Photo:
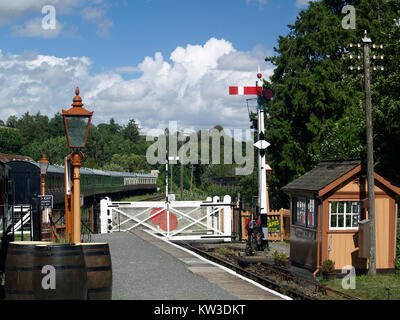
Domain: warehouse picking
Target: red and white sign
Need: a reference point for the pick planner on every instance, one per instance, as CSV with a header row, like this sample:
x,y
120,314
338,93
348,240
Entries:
x,y
241,91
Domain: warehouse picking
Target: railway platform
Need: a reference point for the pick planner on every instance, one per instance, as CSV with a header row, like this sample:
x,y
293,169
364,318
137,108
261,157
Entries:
x,y
149,268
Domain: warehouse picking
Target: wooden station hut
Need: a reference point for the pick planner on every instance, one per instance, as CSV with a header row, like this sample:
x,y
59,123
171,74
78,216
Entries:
x,y
329,207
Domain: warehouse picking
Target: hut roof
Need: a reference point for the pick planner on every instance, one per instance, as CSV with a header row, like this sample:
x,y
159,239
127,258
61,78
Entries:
x,y
322,175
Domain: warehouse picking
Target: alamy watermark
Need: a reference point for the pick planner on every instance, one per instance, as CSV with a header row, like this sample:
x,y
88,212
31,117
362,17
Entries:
x,y
189,150
349,280
349,20
49,21
49,280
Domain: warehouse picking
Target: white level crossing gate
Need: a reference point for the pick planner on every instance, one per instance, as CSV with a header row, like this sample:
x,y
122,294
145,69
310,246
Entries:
x,y
174,220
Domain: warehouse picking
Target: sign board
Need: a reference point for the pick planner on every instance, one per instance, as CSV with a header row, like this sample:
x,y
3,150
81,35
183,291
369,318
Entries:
x,y
274,226
46,202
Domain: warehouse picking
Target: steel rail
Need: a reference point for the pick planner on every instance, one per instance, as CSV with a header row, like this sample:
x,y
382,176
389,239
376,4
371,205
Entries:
x,y
266,282
315,283
293,292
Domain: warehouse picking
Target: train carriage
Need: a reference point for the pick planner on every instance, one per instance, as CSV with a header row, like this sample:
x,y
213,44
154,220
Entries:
x,y
26,176
6,198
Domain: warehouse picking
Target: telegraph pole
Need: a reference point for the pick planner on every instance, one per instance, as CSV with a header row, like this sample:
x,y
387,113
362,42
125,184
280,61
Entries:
x,y
370,145
370,156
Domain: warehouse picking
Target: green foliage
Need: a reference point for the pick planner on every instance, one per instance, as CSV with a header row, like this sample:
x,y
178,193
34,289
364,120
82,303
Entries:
x,y
318,107
283,257
328,266
55,148
10,140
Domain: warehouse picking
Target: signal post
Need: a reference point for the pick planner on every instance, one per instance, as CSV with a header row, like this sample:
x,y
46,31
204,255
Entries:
x,y
262,97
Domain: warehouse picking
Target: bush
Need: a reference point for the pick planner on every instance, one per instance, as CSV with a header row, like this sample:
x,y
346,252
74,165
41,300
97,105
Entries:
x,y
328,266
283,257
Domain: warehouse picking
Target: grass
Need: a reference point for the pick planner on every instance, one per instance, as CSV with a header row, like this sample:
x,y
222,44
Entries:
x,y
140,197
370,288
222,251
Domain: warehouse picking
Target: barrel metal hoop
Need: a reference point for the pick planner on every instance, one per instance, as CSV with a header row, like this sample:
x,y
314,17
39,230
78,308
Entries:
x,y
9,291
93,290
96,253
91,269
82,266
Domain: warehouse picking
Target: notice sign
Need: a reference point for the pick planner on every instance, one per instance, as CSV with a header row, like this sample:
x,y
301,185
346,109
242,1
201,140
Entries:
x,y
274,226
46,202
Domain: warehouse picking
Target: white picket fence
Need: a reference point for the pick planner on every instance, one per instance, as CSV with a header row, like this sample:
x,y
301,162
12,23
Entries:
x,y
175,220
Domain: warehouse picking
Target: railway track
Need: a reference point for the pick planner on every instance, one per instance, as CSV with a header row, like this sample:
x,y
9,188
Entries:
x,y
283,282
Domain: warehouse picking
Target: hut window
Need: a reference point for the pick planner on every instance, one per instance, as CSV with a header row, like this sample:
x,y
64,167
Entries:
x,y
311,213
305,212
301,211
344,214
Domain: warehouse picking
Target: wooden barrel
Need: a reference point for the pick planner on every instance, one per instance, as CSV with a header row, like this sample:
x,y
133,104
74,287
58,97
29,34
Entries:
x,y
59,272
99,270
19,268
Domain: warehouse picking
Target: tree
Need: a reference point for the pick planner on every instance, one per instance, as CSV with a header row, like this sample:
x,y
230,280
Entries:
x,y
55,149
318,102
131,131
10,140
12,121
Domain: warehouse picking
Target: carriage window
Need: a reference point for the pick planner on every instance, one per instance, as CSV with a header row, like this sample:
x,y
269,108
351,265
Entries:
x,y
344,215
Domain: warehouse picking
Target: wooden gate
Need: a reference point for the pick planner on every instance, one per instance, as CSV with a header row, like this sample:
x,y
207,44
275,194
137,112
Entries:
x,y
278,225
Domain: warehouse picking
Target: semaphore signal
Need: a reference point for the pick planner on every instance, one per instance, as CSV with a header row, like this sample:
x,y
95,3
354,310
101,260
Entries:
x,y
263,96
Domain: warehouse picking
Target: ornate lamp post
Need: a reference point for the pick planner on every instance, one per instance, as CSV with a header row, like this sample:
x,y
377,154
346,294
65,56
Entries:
x,y
43,165
77,123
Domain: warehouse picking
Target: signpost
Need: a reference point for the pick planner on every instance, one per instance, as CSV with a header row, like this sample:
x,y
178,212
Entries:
x,y
46,202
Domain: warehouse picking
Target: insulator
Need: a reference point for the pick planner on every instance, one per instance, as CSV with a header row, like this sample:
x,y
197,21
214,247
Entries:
x,y
382,68
359,57
351,56
358,45
351,68
374,57
351,45
358,68
373,46
374,68
381,46
381,57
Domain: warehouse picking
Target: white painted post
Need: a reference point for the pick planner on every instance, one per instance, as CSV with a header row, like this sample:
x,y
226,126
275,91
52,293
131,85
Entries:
x,y
208,210
216,223
227,218
103,215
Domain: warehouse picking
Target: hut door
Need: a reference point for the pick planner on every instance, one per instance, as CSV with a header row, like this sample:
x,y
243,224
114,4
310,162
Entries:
x,y
382,225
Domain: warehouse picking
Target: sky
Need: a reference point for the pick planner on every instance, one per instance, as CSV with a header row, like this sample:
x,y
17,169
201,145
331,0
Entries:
x,y
154,61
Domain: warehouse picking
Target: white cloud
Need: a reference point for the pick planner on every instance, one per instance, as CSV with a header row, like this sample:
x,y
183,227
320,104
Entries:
x,y
260,2
33,28
12,12
97,14
303,3
191,87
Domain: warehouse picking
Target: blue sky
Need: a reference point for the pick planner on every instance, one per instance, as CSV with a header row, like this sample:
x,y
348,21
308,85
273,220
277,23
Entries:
x,y
120,52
